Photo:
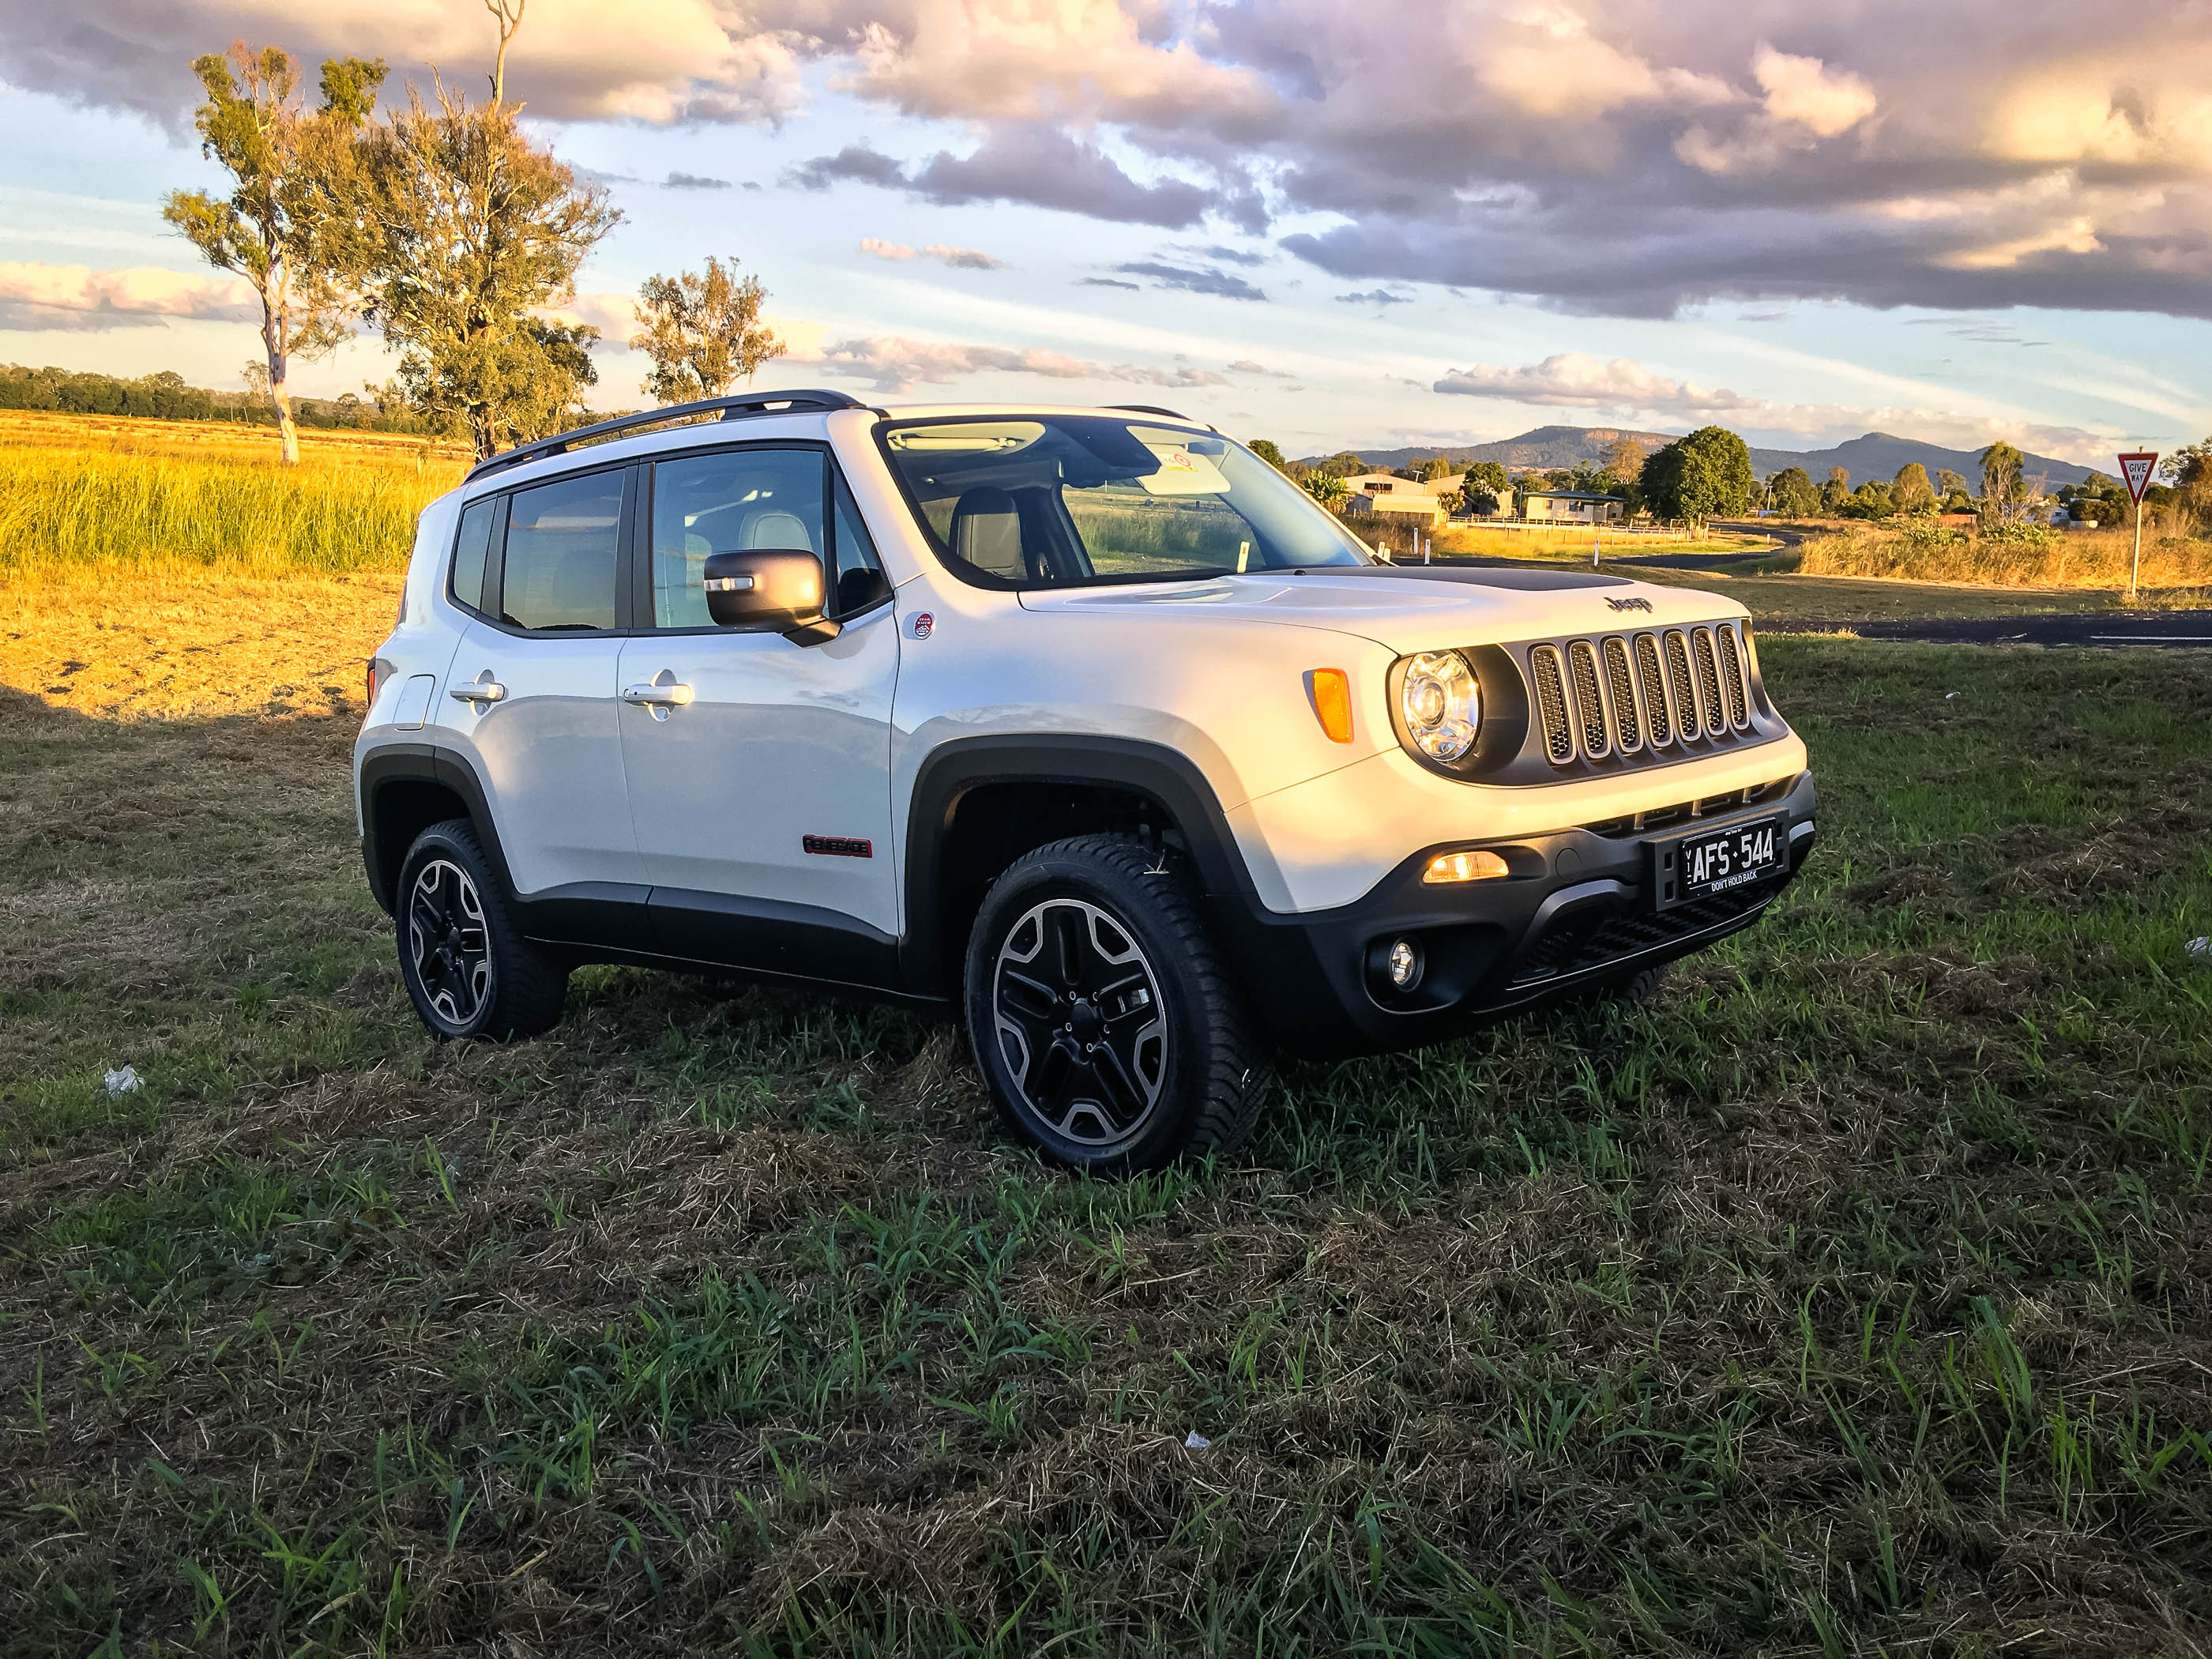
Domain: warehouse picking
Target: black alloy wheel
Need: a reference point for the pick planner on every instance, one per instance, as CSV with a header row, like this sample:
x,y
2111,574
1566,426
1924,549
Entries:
x,y
445,937
1078,1022
468,969
1102,1013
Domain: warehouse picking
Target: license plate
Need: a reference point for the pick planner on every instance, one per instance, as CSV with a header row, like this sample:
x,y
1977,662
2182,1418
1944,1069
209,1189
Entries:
x,y
1717,860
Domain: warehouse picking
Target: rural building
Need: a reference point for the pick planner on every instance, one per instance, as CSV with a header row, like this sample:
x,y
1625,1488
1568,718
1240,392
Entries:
x,y
1387,494
1571,506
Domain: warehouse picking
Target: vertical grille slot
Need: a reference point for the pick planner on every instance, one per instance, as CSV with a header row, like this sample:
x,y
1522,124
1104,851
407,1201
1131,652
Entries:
x,y
1551,703
1736,683
1689,718
1709,682
1651,678
1589,701
1620,686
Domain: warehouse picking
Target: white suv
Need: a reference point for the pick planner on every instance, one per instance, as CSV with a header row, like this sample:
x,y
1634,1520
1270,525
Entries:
x,y
1085,722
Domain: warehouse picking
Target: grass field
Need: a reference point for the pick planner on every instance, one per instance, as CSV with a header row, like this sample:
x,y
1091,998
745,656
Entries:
x,y
2067,559
1575,545
1852,1298
159,498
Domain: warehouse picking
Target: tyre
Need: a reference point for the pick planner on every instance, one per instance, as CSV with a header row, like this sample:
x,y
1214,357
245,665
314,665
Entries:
x,y
468,970
1630,990
1103,1018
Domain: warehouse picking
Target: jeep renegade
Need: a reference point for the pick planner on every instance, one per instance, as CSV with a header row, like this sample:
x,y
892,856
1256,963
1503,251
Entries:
x,y
1087,723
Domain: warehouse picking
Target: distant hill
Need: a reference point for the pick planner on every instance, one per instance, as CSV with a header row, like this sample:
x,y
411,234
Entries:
x,y
1876,455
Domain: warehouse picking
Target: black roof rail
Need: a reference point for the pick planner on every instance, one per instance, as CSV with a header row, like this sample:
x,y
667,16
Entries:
x,y
728,408
1150,409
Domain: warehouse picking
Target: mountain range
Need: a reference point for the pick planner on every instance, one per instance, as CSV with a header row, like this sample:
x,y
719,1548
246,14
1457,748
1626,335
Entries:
x,y
1876,455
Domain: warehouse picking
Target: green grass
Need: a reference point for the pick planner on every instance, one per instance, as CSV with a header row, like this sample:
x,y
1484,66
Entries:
x,y
1851,1297
150,506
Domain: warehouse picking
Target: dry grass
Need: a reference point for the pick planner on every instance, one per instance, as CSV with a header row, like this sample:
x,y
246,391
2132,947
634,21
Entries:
x,y
190,645
2071,558
1852,1298
150,500
1572,543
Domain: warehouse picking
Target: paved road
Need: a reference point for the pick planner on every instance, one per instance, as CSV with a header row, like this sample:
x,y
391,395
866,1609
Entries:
x,y
2109,629
1782,534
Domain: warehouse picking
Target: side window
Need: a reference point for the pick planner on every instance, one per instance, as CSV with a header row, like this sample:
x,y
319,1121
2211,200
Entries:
x,y
860,580
737,501
562,540
471,548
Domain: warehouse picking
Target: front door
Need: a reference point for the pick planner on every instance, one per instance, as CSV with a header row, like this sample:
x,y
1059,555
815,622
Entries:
x,y
759,771
534,692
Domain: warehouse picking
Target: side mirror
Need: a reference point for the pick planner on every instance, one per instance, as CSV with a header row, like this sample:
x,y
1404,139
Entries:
x,y
774,591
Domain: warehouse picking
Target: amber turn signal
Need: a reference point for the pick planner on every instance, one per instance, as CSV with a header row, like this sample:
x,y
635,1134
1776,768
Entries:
x,y
1330,689
1464,867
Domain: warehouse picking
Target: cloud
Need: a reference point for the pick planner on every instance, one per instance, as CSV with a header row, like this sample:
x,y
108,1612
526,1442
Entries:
x,y
1044,167
1622,387
960,258
1220,283
1380,296
895,363
856,162
1245,366
1824,101
1598,156
645,60
692,181
1038,165
34,295
1110,281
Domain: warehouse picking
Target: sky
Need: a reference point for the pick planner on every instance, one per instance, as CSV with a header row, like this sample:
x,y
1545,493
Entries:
x,y
1405,222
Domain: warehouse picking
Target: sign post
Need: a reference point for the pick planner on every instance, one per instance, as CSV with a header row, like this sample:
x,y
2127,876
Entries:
x,y
2135,471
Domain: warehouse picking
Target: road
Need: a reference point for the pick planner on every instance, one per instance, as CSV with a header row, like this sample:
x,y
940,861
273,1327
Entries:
x,y
2102,629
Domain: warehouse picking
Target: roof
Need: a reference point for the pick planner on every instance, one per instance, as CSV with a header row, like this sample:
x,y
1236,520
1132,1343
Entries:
x,y
1569,495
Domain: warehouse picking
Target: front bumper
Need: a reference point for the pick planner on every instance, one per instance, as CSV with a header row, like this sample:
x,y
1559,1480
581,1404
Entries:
x,y
1575,913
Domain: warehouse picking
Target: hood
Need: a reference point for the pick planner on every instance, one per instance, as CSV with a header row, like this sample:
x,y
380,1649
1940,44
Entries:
x,y
1410,608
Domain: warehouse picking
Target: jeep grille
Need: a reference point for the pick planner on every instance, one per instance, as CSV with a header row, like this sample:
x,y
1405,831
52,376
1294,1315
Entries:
x,y
1628,695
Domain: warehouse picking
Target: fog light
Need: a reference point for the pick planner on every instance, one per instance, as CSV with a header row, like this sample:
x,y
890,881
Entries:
x,y
1403,964
1465,866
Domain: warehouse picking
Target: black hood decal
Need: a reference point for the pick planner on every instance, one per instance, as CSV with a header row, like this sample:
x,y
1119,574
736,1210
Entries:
x,y
1519,579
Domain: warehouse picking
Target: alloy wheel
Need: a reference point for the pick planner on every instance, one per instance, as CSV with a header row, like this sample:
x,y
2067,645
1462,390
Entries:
x,y
1080,1021
448,943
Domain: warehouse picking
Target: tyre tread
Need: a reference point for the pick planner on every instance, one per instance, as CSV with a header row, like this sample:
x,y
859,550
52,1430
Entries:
x,y
1239,1078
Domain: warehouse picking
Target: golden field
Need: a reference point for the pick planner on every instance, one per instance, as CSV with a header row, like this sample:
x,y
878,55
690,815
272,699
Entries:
x,y
2071,558
159,497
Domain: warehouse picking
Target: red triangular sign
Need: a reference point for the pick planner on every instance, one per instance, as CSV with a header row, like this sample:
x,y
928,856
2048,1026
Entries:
x,y
2136,470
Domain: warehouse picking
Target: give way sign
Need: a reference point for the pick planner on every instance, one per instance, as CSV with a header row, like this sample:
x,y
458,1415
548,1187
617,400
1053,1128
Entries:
x,y
2135,468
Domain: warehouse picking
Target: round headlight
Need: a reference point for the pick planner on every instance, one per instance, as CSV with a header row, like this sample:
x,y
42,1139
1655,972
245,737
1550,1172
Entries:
x,y
1440,704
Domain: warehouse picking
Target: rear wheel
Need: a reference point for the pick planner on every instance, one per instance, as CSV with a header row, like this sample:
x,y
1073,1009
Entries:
x,y
1102,1014
467,968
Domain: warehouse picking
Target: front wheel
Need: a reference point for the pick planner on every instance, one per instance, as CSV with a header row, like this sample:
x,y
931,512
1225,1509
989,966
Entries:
x,y
1102,1014
468,969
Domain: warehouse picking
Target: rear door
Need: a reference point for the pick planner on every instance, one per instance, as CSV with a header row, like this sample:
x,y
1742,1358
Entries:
x,y
536,675
761,800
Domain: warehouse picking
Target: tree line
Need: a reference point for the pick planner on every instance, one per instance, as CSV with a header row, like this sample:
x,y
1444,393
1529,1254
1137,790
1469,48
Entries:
x,y
165,396
437,224
1708,475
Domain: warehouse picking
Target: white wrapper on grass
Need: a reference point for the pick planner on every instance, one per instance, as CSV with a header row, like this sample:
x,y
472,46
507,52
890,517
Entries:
x,y
125,1082
1195,1441
2200,948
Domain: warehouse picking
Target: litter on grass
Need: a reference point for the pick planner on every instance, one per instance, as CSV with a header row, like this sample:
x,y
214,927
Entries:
x,y
2200,948
125,1082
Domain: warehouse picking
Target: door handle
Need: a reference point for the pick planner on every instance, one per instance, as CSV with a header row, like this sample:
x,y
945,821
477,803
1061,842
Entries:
x,y
663,694
483,688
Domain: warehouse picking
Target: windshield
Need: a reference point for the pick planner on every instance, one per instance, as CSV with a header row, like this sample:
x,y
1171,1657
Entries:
x,y
1056,500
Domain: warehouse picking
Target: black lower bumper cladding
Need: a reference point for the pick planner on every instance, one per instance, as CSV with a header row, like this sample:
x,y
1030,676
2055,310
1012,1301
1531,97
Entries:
x,y
1577,911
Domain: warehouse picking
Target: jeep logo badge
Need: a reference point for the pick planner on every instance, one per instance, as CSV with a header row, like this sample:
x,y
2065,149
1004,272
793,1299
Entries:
x,y
1629,604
